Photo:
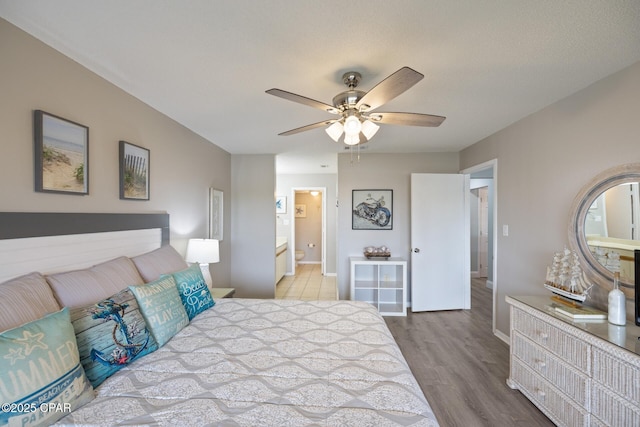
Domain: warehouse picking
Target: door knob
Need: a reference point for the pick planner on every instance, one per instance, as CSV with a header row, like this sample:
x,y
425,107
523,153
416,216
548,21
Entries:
x,y
416,250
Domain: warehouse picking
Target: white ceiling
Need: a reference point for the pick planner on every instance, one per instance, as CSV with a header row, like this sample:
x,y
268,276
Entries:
x,y
207,63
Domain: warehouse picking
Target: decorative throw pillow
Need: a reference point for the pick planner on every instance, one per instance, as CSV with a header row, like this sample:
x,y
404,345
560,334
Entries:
x,y
161,307
40,369
164,260
111,334
193,290
25,299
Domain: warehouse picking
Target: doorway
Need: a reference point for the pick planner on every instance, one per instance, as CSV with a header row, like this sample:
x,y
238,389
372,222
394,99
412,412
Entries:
x,y
479,232
485,175
308,231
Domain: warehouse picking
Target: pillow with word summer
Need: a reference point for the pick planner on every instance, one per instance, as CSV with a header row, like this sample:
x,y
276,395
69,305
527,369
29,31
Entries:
x,y
161,308
111,334
41,378
193,290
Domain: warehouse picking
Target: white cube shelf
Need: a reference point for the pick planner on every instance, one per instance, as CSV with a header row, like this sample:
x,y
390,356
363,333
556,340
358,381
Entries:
x,y
380,282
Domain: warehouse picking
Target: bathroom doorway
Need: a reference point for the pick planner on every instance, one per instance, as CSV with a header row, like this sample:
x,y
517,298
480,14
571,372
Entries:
x,y
308,231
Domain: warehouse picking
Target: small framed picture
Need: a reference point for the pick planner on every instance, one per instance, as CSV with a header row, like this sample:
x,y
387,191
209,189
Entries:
x,y
61,149
281,204
372,210
134,172
301,211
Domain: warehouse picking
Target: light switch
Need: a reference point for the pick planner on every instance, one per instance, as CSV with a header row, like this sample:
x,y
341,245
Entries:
x,y
505,230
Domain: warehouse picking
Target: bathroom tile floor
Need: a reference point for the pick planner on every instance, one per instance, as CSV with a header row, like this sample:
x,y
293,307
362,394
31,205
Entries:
x,y
307,284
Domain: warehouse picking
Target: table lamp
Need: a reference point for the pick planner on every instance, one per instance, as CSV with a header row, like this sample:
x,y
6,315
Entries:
x,y
204,252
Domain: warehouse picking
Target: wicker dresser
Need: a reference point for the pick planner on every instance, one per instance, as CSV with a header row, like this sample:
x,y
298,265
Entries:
x,y
578,373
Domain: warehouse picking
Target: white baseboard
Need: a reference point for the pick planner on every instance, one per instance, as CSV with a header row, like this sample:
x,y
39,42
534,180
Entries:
x,y
475,274
502,336
489,284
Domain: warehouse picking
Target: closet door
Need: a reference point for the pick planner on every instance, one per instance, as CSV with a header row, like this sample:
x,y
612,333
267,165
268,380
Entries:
x,y
440,242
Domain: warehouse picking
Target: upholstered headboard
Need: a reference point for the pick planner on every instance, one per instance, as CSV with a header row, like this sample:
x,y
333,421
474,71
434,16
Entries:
x,y
54,242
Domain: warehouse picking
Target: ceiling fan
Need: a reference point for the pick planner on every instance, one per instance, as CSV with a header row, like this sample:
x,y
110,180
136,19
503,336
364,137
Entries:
x,y
355,108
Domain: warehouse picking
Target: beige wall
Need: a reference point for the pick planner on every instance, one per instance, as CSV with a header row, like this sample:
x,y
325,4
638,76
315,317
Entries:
x,y
381,171
309,228
182,165
543,161
253,225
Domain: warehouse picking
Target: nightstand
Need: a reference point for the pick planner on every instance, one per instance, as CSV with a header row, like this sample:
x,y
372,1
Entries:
x,y
217,293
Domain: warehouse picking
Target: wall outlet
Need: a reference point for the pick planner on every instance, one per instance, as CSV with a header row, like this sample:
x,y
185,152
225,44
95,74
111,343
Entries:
x,y
505,230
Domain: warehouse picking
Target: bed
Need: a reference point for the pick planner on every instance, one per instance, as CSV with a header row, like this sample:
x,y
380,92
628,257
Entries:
x,y
261,362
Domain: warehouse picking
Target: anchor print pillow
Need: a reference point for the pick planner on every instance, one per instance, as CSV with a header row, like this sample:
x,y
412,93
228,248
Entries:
x,y
41,378
111,334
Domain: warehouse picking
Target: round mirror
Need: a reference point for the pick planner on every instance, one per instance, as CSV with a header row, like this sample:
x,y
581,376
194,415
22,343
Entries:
x,y
604,225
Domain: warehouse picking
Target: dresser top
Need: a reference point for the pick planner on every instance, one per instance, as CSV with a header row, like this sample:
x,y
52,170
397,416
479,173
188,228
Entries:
x,y
623,336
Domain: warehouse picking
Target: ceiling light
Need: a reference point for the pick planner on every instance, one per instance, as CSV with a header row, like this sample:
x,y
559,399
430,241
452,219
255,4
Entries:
x,y
369,129
352,126
351,139
314,193
335,131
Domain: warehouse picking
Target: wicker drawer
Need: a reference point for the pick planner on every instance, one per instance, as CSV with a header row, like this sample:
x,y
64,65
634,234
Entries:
x,y
570,381
556,405
616,374
612,409
568,348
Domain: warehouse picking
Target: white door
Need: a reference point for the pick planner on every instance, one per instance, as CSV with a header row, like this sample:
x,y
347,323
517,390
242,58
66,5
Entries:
x,y
440,263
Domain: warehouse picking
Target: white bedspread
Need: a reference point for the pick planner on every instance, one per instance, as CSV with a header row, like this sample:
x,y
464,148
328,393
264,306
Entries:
x,y
268,363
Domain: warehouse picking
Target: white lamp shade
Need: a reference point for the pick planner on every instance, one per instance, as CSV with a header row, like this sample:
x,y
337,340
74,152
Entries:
x,y
369,129
351,139
334,131
203,251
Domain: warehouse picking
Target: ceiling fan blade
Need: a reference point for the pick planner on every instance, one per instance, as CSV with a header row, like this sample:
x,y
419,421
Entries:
x,y
303,100
408,119
390,87
307,127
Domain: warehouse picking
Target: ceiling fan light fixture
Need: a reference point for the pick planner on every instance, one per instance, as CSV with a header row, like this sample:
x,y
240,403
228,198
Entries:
x,y
352,126
369,129
335,131
351,139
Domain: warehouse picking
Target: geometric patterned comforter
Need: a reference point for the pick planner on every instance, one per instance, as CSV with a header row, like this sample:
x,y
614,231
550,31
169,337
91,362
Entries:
x,y
255,362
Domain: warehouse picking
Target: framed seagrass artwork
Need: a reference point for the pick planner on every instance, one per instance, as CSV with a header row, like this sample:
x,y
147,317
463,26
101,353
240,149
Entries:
x,y
134,172
372,210
216,210
61,155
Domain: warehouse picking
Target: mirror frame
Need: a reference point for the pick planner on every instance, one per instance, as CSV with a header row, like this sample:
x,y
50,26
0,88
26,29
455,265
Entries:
x,y
607,179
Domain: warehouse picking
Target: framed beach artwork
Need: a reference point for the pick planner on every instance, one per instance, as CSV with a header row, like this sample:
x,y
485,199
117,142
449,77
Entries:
x,y
372,210
61,149
134,172
281,204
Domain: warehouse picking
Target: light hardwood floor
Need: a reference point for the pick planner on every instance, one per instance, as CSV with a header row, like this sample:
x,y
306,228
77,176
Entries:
x,y
462,367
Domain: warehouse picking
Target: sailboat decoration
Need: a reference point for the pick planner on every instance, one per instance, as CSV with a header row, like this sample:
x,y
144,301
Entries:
x,y
566,278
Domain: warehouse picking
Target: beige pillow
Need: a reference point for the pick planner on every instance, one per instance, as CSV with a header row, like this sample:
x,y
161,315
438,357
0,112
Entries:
x,y
83,287
25,299
164,260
